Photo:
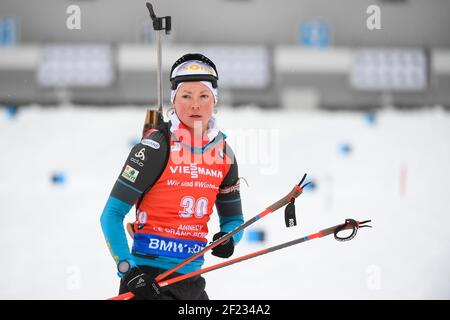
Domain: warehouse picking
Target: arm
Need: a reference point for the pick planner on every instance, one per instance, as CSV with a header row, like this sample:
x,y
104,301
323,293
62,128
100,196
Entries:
x,y
140,171
228,201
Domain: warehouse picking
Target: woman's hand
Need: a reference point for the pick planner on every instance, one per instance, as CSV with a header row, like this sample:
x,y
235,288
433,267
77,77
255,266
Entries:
x,y
141,284
225,249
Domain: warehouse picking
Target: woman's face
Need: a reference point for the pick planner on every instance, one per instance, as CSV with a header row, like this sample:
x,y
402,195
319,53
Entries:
x,y
194,104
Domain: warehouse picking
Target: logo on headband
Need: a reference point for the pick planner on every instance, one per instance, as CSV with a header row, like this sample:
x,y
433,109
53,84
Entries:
x,y
196,67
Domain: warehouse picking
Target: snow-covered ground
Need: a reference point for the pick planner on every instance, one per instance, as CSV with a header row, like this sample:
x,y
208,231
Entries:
x,y
397,173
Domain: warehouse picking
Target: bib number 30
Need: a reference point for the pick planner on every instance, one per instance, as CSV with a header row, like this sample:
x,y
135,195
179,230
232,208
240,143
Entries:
x,y
191,207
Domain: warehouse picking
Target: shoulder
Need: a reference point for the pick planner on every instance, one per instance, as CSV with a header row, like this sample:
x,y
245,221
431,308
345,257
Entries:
x,y
154,135
228,151
152,147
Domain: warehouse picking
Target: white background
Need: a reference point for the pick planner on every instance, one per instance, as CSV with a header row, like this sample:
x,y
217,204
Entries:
x,y
52,246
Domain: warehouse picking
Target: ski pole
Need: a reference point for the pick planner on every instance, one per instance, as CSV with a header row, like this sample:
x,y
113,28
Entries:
x,y
295,192
349,224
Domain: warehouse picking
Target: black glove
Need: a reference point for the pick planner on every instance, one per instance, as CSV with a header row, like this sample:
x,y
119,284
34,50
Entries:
x,y
225,249
141,284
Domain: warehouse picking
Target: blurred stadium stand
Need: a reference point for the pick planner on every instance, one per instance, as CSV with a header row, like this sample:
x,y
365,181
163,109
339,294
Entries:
x,y
262,50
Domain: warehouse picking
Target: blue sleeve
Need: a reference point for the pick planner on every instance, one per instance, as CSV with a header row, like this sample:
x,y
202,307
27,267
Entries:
x,y
129,187
229,223
111,221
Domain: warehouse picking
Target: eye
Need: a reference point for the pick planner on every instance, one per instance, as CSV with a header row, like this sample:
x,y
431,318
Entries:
x,y
185,96
205,96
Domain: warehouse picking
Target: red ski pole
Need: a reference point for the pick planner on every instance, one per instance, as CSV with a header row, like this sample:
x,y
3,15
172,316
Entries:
x,y
349,224
295,192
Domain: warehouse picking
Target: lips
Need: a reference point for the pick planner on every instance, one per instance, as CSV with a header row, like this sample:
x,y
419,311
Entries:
x,y
195,116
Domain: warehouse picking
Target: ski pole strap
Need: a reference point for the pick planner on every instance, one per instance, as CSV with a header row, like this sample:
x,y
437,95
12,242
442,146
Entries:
x,y
295,192
350,224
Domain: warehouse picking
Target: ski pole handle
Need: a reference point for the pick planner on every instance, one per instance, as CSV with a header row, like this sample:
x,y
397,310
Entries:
x,y
295,192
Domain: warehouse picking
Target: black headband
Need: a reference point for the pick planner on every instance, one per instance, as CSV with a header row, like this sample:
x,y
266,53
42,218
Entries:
x,y
198,77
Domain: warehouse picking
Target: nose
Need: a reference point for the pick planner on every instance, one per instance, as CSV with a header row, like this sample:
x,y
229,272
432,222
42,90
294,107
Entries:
x,y
195,104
